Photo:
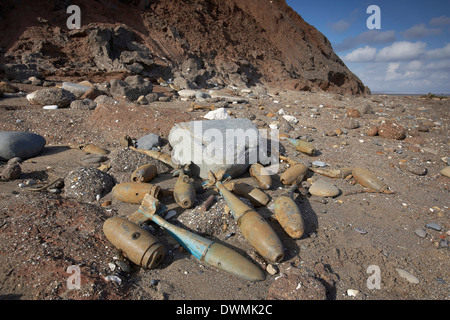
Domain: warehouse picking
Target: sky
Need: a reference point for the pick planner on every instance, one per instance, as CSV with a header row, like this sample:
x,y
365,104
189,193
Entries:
x,y
406,50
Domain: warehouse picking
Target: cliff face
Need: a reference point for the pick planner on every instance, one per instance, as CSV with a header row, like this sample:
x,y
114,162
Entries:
x,y
195,42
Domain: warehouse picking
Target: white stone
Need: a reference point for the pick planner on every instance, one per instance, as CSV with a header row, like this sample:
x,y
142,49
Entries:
x,y
408,276
218,114
50,107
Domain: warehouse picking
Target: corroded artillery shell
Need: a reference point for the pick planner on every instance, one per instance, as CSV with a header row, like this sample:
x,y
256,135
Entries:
x,y
261,176
368,179
303,146
134,242
256,196
92,148
144,173
333,173
184,192
132,192
254,228
289,216
295,173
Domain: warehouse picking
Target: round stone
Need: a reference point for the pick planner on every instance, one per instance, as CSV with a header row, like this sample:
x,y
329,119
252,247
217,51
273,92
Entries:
x,y
446,172
20,144
324,188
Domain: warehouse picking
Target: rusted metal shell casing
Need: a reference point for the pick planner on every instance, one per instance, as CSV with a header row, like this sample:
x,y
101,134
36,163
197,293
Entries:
x,y
292,174
134,242
184,192
213,253
289,216
261,176
144,173
257,197
368,179
132,192
303,146
333,173
254,228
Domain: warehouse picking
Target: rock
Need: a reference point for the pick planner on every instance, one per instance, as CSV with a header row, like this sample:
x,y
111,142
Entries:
x,y
415,169
372,131
446,171
35,81
218,114
92,94
94,158
271,269
391,130
187,93
290,119
21,71
152,97
420,232
227,145
51,107
202,95
408,276
434,226
76,89
20,144
323,188
148,142
86,183
318,163
11,171
86,104
293,285
132,88
51,96
353,113
351,124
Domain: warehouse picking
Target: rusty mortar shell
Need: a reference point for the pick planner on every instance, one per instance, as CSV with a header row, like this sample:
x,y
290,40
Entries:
x,y
256,196
133,192
254,228
205,206
368,179
294,173
92,148
208,251
303,146
163,157
195,106
134,242
144,173
289,216
333,173
261,176
184,191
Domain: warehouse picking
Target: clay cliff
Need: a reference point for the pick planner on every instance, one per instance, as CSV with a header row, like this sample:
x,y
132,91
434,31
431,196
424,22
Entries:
x,y
195,43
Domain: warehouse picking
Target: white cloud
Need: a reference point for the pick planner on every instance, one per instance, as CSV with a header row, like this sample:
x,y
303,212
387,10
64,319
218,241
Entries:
x,y
420,31
440,21
340,26
401,51
365,54
370,37
441,53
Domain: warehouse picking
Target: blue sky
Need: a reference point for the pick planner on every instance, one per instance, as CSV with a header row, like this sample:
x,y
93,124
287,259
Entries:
x,y
409,54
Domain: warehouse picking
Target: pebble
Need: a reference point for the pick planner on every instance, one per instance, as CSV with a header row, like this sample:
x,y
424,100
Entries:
x,y
446,171
323,188
408,276
434,226
50,107
272,270
318,163
420,232
359,230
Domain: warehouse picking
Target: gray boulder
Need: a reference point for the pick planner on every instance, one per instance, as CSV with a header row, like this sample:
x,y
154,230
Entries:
x,y
132,88
20,144
85,104
230,145
52,96
148,142
19,71
87,184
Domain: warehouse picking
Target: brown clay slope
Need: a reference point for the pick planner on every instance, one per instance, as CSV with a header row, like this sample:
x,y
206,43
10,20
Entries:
x,y
240,42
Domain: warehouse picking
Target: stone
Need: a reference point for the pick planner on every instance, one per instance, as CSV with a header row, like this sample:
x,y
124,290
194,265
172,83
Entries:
x,y
434,226
391,130
187,93
420,232
323,188
408,276
290,119
11,171
92,94
318,163
86,104
415,169
131,88
20,144
51,107
148,142
227,145
202,95
353,113
446,171
218,114
293,285
51,96
351,124
152,97
76,89
20,71
372,131
86,183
